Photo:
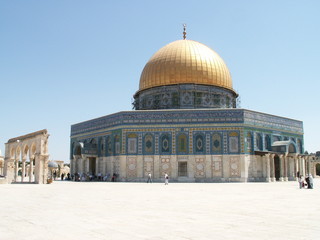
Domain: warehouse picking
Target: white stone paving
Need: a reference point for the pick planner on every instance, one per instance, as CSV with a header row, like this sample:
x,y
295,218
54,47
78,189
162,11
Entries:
x,y
73,210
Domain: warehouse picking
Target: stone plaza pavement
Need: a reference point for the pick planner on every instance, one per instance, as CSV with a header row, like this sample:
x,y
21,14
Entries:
x,y
100,210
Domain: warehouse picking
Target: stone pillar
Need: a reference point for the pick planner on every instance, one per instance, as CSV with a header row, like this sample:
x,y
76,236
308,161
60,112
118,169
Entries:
x,y
309,164
30,170
16,169
267,169
87,165
272,170
296,165
81,165
41,169
303,166
72,169
97,166
300,165
103,166
281,165
285,164
23,169
9,169
156,167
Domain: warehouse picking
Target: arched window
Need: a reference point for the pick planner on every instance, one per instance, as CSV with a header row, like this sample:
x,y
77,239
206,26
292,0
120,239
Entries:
x,y
233,142
249,142
199,144
148,144
117,144
77,150
300,146
72,150
165,143
216,143
258,141
132,143
182,144
101,149
109,145
267,141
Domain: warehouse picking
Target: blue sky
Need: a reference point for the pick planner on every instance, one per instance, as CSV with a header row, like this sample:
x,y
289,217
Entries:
x,y
64,62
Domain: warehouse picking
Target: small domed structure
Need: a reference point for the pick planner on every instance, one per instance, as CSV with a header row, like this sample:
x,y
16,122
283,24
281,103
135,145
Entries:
x,y
52,164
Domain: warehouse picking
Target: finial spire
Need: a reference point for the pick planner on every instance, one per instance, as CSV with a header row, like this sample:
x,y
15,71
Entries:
x,y
184,31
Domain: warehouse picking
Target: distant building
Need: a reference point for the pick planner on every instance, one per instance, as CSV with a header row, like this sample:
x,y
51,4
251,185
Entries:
x,y
186,123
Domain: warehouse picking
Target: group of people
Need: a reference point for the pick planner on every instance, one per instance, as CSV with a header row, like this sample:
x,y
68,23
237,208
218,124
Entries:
x,y
166,178
85,177
67,178
306,182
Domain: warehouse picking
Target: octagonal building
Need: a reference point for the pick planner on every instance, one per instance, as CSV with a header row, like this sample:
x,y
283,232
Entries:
x,y
186,123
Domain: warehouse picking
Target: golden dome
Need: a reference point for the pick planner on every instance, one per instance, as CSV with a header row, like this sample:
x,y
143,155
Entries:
x,y
185,62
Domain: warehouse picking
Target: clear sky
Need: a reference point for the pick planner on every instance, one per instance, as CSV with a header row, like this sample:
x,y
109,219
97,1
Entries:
x,y
63,62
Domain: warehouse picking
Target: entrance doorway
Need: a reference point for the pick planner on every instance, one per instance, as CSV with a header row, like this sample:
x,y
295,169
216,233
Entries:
x,y
92,165
277,168
182,169
318,169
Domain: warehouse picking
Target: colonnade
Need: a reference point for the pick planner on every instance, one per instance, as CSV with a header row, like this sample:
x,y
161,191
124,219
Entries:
x,y
81,164
33,145
275,167
25,173
287,166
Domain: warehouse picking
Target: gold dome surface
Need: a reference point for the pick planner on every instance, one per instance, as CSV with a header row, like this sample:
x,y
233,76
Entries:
x,y
185,62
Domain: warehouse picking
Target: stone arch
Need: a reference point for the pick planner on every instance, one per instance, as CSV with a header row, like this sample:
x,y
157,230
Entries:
x,y
77,150
76,162
12,153
32,146
18,152
25,151
292,148
33,149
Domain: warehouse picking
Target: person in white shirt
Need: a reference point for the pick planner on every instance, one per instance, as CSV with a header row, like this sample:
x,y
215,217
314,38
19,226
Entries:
x,y
311,181
166,179
301,180
149,178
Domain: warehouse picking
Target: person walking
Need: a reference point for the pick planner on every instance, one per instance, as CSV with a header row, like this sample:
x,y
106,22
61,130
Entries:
x,y
307,181
166,179
301,181
149,178
310,181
